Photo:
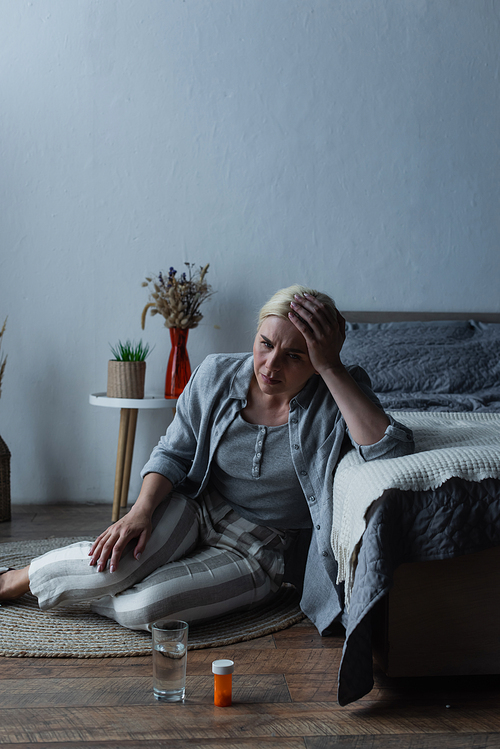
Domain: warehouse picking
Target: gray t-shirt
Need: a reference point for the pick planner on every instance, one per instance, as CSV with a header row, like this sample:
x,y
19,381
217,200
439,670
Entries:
x,y
253,471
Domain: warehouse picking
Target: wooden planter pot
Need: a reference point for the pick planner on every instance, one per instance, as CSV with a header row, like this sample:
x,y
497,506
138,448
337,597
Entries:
x,y
126,379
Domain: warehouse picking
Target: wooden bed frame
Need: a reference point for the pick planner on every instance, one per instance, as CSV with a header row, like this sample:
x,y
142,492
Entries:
x,y
440,617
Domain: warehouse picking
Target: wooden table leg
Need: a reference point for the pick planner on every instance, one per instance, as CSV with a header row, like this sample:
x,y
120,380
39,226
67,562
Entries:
x,y
129,452
120,462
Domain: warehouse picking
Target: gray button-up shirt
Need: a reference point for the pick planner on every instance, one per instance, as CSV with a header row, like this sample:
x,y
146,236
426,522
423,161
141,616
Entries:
x,y
215,394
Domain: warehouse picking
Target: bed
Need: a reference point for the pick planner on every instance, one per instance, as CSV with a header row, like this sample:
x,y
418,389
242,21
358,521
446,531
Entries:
x,y
417,539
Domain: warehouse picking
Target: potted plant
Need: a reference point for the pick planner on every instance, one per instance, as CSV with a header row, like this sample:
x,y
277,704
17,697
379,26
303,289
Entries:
x,y
4,451
127,371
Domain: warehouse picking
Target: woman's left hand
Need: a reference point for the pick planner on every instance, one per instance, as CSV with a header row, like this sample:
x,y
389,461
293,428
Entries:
x,y
323,332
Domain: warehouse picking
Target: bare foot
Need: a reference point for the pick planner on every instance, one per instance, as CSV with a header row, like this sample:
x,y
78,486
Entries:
x,y
14,584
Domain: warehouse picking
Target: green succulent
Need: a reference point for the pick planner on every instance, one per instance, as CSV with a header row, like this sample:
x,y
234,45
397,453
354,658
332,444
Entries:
x,y
131,351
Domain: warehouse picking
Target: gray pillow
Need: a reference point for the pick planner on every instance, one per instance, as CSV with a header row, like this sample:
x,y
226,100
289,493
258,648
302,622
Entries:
x,y
439,357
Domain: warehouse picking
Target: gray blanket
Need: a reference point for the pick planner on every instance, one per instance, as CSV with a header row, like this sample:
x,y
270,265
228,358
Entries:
x,y
442,366
459,517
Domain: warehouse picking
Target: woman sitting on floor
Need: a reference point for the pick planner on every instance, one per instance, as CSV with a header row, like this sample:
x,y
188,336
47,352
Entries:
x,y
238,493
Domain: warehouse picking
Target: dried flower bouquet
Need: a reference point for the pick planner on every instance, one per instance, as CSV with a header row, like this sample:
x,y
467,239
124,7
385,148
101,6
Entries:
x,y
178,299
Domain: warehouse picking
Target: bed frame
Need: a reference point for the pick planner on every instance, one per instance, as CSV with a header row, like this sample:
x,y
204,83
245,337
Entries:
x,y
440,617
423,316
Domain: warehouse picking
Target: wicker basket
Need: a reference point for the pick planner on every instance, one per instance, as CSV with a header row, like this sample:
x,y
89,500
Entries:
x,y
4,482
126,379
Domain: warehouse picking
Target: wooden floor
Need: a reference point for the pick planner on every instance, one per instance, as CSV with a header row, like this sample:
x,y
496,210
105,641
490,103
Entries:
x,y
284,690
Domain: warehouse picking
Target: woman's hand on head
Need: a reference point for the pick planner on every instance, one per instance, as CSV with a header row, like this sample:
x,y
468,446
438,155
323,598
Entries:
x,y
110,545
324,332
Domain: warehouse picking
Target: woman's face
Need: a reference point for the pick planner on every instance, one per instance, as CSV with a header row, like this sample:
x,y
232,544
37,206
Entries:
x,y
280,359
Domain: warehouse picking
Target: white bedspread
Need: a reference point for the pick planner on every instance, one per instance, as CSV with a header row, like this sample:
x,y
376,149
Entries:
x,y
464,445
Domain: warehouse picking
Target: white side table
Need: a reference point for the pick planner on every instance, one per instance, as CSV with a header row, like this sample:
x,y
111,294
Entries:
x,y
129,408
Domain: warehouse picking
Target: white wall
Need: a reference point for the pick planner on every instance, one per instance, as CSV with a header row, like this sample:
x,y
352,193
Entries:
x,y
348,144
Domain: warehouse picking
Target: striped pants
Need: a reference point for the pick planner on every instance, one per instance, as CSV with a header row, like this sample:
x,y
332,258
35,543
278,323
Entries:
x,y
203,560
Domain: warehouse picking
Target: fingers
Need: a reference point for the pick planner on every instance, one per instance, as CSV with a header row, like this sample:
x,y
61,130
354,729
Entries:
x,y
298,316
310,314
108,546
141,544
96,548
116,554
101,550
323,330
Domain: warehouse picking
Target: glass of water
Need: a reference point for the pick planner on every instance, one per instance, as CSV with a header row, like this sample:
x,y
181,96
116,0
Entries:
x,y
170,638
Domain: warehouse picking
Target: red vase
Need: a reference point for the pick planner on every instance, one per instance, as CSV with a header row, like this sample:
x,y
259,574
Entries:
x,y
178,367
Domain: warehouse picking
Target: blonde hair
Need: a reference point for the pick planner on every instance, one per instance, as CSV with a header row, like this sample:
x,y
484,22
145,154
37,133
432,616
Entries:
x,y
279,304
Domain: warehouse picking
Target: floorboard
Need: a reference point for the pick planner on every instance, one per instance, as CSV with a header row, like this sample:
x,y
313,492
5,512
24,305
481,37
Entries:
x,y
284,694
406,741
272,743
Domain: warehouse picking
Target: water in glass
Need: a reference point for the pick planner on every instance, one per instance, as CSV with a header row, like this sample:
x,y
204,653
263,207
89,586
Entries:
x,y
169,671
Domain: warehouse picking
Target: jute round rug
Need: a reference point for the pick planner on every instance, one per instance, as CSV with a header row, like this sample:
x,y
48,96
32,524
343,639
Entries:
x,y
76,632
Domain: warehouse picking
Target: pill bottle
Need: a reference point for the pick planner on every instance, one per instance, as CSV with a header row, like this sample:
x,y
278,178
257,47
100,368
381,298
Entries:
x,y
223,682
